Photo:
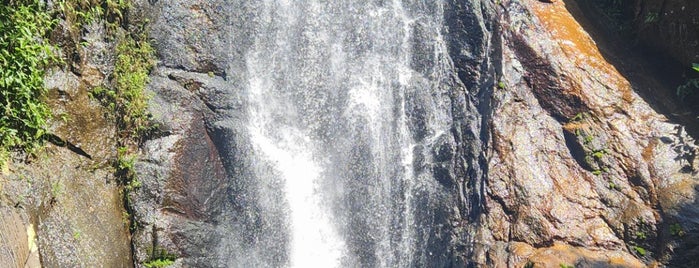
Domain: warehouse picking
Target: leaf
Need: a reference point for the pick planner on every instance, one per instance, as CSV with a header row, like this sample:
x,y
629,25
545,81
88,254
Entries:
x,y
695,66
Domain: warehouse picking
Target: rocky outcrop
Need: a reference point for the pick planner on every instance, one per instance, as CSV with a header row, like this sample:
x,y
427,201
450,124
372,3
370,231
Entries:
x,y
59,208
559,161
576,160
62,206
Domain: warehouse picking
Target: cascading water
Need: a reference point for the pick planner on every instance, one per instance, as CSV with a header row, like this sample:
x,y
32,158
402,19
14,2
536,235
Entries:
x,y
350,128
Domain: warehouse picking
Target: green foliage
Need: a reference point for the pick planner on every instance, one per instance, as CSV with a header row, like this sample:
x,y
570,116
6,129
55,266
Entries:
x,y
651,17
641,251
77,234
79,13
641,235
579,117
158,263
599,154
501,85
566,266
125,163
4,158
690,87
160,258
126,98
676,230
24,54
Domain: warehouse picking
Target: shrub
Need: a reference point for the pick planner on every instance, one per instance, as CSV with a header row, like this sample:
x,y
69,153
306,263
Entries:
x,y
24,54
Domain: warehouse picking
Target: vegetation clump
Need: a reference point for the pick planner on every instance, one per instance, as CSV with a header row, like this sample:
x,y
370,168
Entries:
x,y
160,258
641,251
676,230
79,13
24,55
690,87
126,98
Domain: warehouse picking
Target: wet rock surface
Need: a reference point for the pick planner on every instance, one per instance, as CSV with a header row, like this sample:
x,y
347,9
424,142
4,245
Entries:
x,y
577,157
61,209
184,183
554,158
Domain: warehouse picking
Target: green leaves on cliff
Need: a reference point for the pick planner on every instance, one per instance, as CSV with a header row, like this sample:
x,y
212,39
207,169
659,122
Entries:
x,y
126,97
690,87
79,13
24,54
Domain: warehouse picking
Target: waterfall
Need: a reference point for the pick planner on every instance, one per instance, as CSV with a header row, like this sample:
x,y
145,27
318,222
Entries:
x,y
349,114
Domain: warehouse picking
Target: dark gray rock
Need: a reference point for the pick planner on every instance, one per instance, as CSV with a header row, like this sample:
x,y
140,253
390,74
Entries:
x,y
551,157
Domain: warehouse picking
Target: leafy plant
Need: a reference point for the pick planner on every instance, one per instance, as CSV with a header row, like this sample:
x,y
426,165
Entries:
x,y
24,54
690,87
598,154
651,17
77,234
158,263
79,13
579,117
501,85
125,163
160,258
641,251
126,98
641,235
676,230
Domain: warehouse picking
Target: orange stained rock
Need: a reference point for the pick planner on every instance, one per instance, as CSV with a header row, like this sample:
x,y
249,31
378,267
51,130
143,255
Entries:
x,y
578,45
561,253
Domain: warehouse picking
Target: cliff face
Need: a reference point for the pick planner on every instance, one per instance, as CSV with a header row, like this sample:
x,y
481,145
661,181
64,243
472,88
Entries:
x,y
59,208
556,159
578,161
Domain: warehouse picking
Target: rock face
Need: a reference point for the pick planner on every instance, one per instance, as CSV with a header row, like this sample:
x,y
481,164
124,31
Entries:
x,y
557,160
63,209
577,157
59,208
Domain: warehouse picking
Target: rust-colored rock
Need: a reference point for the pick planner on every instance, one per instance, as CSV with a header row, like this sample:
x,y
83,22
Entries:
x,y
558,160
579,160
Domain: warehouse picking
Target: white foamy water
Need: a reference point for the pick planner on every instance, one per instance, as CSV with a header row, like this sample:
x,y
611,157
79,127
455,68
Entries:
x,y
314,241
334,105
